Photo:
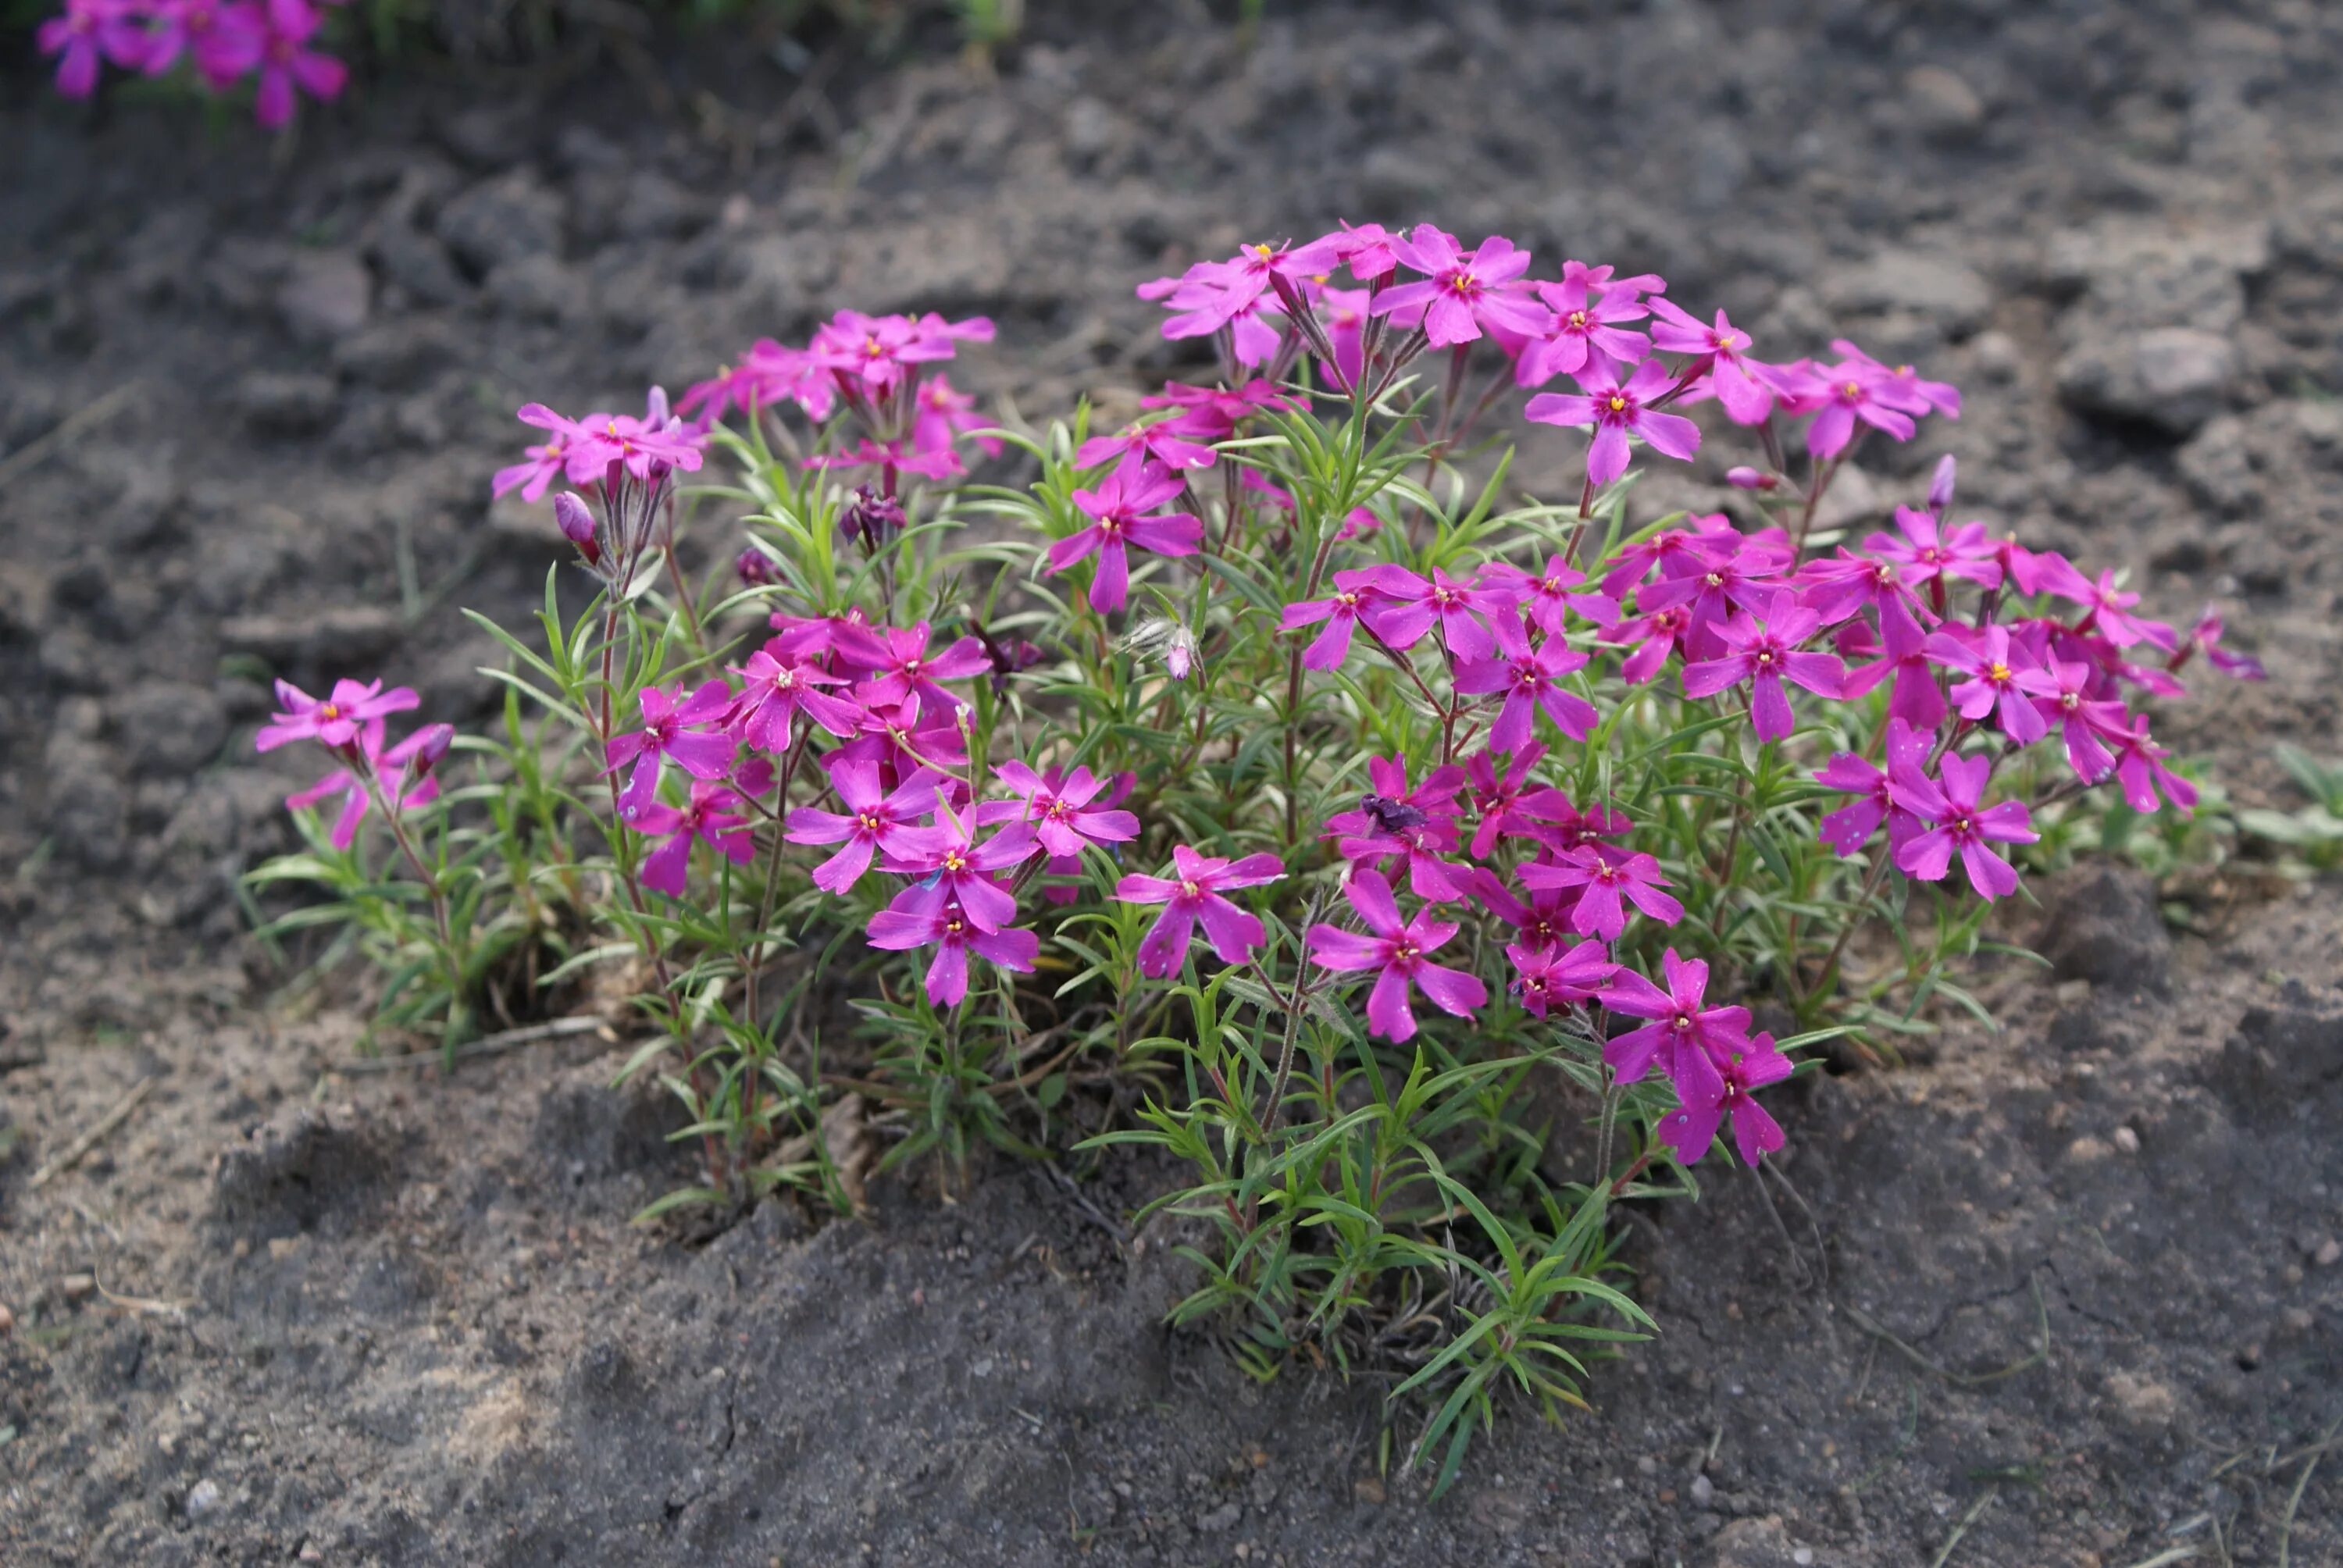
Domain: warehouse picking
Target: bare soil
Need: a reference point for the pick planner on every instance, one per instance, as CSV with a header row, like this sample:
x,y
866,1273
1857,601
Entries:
x,y
2065,1294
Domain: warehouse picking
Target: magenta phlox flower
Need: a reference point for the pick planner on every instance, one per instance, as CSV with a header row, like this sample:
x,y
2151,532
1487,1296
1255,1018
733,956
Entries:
x,y
1654,637
767,374
2206,636
404,772
2140,769
1764,655
1529,675
1059,806
1840,396
286,62
1541,921
1838,587
1419,826
1556,976
1721,357
1612,878
876,820
1197,890
1507,804
1463,293
897,664
871,355
1684,1035
1585,326
953,868
773,689
1678,553
1397,952
1958,825
1366,248
88,33
1546,595
1617,409
905,740
1137,446
333,720
568,451
1928,552
900,455
907,924
1122,513
1902,385
1692,1127
1355,592
224,39
809,637
1212,413
2002,679
1604,280
1847,829
2108,607
941,415
640,445
677,728
1563,826
1409,606
2081,719
705,818
1916,698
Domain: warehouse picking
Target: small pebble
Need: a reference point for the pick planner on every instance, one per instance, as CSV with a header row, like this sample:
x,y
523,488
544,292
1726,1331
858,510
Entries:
x,y
7,1322
2127,1139
1703,1490
203,1498
2330,1252
79,1287
1803,1556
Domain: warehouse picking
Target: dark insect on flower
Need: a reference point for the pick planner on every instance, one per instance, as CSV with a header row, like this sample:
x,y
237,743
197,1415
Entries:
x,y
1010,655
871,519
1391,816
756,568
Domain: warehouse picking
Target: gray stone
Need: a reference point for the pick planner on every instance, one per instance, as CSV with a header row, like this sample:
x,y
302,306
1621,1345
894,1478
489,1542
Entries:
x,y
2172,377
171,727
326,295
1940,106
1928,284
418,263
2104,927
2218,467
287,405
204,1499
539,287
502,219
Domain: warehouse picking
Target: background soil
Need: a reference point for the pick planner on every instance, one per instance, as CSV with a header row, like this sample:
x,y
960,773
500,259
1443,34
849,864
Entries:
x,y
252,394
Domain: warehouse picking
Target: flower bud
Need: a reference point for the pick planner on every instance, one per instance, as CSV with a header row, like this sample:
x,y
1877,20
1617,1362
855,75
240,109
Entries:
x,y
577,525
1940,488
431,743
655,413
871,519
1180,653
1746,478
756,568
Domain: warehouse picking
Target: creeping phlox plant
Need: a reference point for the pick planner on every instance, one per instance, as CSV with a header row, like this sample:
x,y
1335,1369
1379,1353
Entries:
x,y
1255,782
222,41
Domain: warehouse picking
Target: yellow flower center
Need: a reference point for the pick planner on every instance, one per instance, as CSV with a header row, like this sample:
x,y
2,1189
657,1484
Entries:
x,y
1618,405
1188,889
955,862
1997,673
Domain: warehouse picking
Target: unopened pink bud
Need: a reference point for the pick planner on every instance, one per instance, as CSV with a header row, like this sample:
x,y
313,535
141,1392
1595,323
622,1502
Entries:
x,y
577,525
756,568
1940,488
431,743
1751,480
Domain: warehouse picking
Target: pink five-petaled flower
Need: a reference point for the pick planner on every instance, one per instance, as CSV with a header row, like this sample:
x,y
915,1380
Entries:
x,y
1116,508
286,61
1692,1126
2000,678
1528,677
883,821
773,689
953,868
224,38
1684,1035
1584,325
2206,634
1415,825
88,32
1915,697
671,732
404,772
1732,376
568,451
2081,719
1137,445
1552,976
1850,828
1059,807
1958,825
1396,950
1850,390
1606,874
1355,592
1546,594
904,924
1929,552
335,721
1194,891
2110,608
727,832
941,416
2139,769
1764,655
1409,606
1617,409
1463,292
1509,806
899,664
